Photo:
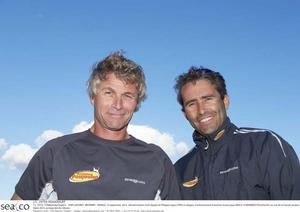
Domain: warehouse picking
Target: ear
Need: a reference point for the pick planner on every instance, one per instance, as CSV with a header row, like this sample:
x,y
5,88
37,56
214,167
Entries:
x,y
226,101
92,99
182,110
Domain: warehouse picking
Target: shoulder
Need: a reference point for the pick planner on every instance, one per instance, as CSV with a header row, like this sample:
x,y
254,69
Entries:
x,y
157,151
186,159
263,139
56,144
67,138
50,150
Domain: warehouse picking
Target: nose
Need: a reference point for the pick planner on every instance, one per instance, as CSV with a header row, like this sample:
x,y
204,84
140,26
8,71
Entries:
x,y
200,108
117,102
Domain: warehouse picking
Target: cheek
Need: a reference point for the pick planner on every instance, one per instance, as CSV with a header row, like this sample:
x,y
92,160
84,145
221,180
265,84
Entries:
x,y
221,112
189,115
130,106
100,105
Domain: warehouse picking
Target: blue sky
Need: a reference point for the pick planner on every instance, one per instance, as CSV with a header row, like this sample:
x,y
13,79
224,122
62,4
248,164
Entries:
x,y
47,49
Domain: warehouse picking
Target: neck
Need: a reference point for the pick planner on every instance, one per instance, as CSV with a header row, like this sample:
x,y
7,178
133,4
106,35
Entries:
x,y
117,136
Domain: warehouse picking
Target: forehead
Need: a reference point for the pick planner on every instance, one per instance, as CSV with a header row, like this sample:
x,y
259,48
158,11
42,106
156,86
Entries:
x,y
112,82
198,88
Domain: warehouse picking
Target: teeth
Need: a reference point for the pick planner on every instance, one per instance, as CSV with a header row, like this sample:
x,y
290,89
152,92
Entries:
x,y
206,119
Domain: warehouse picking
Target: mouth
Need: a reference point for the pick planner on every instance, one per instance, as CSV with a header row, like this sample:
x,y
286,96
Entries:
x,y
205,120
117,115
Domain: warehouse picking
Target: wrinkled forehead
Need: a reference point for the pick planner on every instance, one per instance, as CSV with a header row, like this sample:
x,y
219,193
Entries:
x,y
125,78
113,82
198,88
200,85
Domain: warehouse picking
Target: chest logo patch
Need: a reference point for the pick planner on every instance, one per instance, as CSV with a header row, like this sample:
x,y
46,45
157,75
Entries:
x,y
85,176
191,183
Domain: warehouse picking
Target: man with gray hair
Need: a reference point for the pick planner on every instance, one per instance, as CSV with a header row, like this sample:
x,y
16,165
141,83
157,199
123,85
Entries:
x,y
104,162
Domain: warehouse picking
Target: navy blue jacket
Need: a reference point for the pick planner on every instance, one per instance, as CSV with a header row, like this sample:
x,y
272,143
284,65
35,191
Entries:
x,y
239,164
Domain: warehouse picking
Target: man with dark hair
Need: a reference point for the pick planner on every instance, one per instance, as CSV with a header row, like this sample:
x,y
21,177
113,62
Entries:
x,y
103,162
228,162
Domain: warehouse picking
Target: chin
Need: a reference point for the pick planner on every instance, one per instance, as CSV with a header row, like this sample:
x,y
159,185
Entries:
x,y
116,128
206,132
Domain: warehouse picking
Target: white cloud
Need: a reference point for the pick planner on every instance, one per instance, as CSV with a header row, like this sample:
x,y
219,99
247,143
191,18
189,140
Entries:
x,y
164,140
82,126
3,143
18,156
46,136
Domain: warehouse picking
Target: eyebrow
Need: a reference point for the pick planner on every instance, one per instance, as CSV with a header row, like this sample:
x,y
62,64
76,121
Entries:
x,y
208,96
195,99
112,90
189,101
107,88
130,93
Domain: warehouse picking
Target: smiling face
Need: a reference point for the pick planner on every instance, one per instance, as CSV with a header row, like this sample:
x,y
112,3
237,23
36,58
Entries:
x,y
203,106
114,105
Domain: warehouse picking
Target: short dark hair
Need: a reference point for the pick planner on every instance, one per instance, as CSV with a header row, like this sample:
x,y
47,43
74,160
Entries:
x,y
194,74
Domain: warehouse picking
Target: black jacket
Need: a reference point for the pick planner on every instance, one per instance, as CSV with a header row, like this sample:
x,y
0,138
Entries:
x,y
239,164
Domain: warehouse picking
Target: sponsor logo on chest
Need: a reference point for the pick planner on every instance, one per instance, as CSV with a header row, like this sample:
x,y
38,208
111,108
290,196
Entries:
x,y
85,176
191,183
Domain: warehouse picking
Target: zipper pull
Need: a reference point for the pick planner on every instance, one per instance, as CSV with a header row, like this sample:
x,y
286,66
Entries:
x,y
207,145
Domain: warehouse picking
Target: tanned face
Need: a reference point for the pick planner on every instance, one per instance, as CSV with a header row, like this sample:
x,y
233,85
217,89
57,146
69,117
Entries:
x,y
203,106
114,105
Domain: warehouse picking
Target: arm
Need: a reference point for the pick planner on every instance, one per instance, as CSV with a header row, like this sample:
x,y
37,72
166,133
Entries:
x,y
280,169
169,186
35,176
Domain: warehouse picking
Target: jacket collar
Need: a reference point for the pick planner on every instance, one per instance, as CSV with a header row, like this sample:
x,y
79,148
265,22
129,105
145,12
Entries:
x,y
214,138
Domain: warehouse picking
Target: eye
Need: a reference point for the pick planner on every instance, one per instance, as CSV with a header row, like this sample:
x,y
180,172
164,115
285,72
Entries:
x,y
107,92
129,96
208,98
190,104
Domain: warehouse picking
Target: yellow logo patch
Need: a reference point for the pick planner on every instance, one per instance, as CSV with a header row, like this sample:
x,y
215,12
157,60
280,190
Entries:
x,y
219,135
191,183
85,176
